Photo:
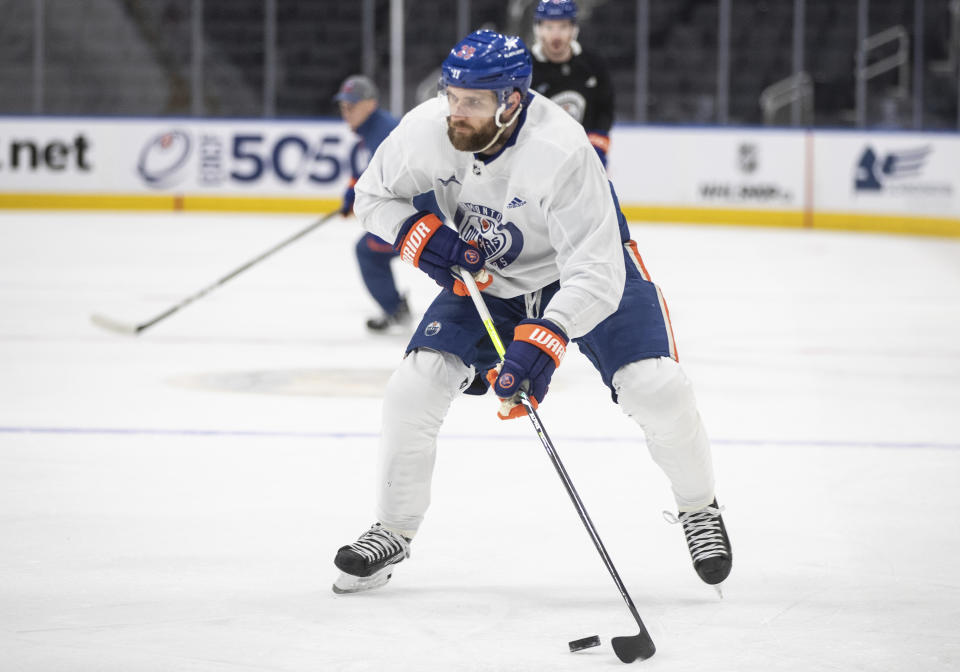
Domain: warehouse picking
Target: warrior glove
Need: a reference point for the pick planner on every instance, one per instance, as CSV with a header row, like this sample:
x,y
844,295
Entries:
x,y
528,364
435,249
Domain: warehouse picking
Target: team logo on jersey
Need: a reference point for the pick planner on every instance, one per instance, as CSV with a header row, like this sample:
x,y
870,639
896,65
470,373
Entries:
x,y
572,102
500,241
432,329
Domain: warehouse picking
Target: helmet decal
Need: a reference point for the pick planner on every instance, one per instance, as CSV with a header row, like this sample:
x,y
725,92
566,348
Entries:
x,y
489,60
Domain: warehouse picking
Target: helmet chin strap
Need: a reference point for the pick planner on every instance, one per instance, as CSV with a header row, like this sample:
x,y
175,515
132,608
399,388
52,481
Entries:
x,y
500,125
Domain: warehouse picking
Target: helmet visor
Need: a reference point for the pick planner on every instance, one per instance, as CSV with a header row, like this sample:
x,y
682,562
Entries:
x,y
457,102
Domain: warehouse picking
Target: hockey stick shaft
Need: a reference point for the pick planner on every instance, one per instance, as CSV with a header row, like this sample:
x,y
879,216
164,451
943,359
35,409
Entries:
x,y
113,325
487,320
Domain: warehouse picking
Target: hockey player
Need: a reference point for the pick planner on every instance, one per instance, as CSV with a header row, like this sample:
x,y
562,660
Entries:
x,y
532,206
359,107
576,80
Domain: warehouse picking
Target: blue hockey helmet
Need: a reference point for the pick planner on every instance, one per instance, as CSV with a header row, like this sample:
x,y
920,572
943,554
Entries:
x,y
486,59
556,10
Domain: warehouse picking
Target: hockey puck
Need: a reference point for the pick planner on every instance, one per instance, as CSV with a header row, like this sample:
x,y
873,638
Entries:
x,y
585,643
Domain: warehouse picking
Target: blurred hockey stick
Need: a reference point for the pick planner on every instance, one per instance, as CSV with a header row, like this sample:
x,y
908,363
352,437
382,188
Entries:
x,y
627,648
110,324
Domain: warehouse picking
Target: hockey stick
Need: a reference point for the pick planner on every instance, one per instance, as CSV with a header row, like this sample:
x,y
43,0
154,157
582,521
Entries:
x,y
627,648
134,329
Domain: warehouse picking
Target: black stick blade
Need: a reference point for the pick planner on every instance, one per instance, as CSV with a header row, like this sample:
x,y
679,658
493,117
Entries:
x,y
628,649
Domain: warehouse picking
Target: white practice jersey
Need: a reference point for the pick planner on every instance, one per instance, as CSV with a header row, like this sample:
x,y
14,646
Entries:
x,y
541,209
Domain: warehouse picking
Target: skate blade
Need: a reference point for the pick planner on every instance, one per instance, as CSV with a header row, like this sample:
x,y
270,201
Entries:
x,y
391,331
348,583
719,588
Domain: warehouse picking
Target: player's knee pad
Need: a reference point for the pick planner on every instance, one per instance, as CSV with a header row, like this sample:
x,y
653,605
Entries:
x,y
424,385
657,395
416,400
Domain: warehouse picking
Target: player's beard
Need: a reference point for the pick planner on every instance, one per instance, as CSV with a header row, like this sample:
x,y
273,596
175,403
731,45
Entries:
x,y
471,142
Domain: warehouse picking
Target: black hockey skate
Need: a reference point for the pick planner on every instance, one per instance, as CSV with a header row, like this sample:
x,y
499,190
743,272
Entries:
x,y
708,543
398,318
368,562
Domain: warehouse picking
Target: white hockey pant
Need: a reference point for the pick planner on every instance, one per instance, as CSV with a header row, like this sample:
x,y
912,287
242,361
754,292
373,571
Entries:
x,y
416,401
658,396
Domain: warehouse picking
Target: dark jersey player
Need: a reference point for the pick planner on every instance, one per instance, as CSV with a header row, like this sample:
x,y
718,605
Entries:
x,y
576,80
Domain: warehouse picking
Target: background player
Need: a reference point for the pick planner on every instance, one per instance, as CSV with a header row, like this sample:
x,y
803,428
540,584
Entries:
x,y
576,80
359,107
532,206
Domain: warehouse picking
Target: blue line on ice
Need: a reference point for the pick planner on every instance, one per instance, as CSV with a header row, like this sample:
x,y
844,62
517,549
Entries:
x,y
252,433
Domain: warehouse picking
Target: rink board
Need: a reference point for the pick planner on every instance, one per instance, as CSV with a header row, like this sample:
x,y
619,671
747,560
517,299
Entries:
x,y
898,182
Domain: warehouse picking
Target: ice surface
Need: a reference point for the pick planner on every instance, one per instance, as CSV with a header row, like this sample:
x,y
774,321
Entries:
x,y
174,501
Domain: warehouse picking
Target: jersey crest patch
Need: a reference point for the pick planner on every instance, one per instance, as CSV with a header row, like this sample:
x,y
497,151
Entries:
x,y
572,102
500,241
